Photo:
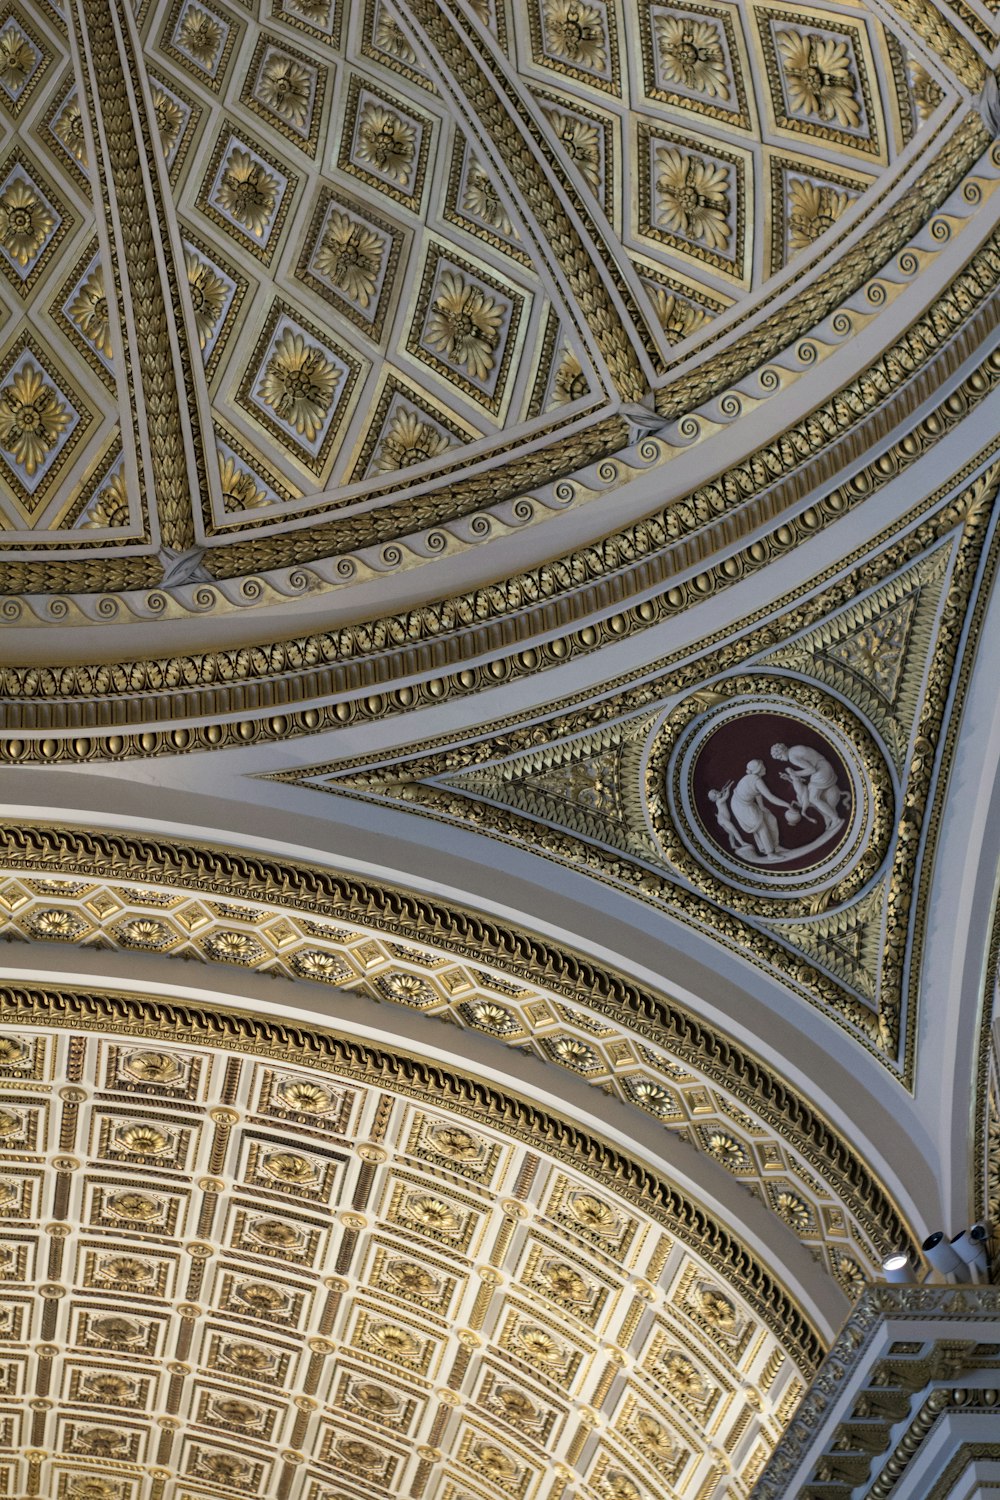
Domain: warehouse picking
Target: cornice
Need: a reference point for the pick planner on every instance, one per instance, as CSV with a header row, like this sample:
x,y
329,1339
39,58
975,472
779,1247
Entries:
x,y
438,637
420,779
220,874
434,1084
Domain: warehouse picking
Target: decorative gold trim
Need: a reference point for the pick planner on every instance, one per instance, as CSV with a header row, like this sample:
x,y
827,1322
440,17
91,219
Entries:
x,y
220,874
970,512
794,692
436,1085
339,663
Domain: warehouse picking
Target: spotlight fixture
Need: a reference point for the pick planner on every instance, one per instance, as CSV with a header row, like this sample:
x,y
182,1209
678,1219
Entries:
x,y
970,1246
942,1254
896,1267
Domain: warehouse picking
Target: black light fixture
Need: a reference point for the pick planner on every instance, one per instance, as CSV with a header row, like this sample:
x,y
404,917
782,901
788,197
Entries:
x,y
942,1254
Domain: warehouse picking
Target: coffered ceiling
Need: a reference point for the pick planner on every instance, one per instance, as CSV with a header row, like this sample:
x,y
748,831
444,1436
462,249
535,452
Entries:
x,y
497,545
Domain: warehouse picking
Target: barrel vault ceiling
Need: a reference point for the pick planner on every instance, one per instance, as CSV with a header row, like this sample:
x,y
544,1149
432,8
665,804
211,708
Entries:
x,y
498,733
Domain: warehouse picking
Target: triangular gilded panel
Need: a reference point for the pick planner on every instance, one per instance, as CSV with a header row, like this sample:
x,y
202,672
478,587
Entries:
x,y
875,652
847,943
588,786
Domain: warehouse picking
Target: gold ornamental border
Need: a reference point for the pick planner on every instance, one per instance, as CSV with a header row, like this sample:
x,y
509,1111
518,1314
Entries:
x,y
596,282
214,872
268,679
967,513
437,1085
793,693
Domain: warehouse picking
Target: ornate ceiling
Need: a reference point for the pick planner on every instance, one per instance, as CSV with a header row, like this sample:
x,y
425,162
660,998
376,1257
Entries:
x,y
331,1284
389,279
500,745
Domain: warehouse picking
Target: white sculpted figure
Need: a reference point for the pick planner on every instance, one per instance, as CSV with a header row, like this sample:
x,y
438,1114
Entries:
x,y
749,796
723,817
814,781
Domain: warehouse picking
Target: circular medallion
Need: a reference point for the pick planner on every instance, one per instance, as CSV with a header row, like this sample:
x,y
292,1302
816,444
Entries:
x,y
766,796
770,792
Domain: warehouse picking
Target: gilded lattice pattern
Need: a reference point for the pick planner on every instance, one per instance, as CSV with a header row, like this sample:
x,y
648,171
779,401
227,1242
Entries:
x,y
300,154
521,1012
329,1287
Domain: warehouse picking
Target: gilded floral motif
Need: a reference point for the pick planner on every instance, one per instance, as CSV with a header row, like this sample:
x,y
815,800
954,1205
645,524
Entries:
x,y
414,1279
26,221
247,191
850,1275
493,1462
350,255
285,86
375,1397
482,199
227,1468
694,197
654,1097
678,318
89,312
655,1436
926,93
134,1206
200,35
581,142
240,491
539,1346
515,1405
208,293
570,382
681,1376
435,1215
717,1310
574,1054
125,1270
262,1297
290,1167
691,55
304,1096
142,1140
386,141
154,1067
464,325
618,1486
111,506
248,1359
317,11
18,59
169,118
794,1211
812,210
390,38
68,126
315,964
453,1142
566,1283
575,33
299,384
408,440
399,1343
819,78
728,1150
32,420
234,948
596,1216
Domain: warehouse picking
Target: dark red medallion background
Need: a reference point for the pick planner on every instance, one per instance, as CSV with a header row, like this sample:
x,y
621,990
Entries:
x,y
723,757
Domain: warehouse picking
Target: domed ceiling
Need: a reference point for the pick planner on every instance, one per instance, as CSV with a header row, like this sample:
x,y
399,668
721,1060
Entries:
x,y
462,465
303,1273
322,293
